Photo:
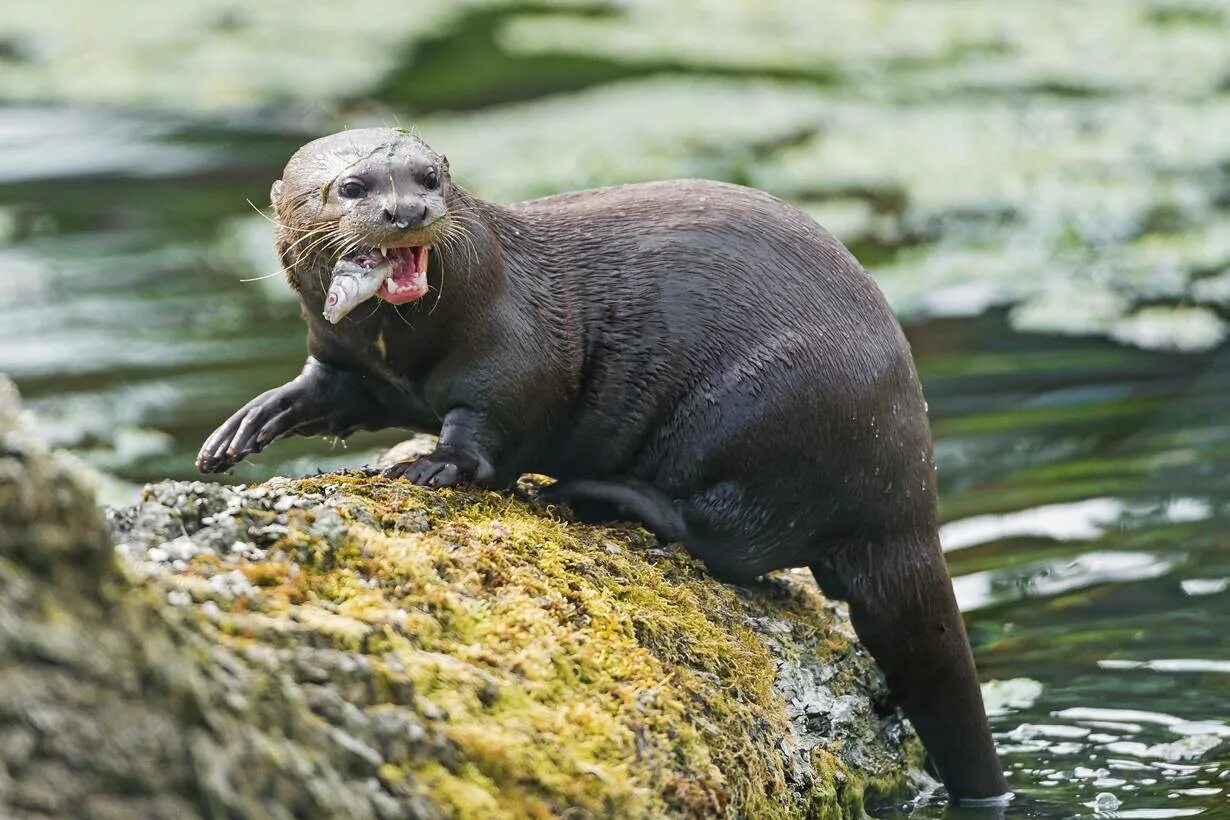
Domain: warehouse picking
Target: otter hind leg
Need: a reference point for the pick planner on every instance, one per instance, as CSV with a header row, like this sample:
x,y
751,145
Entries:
x,y
624,499
904,610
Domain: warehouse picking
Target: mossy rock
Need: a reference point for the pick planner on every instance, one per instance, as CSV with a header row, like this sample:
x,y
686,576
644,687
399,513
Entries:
x,y
350,646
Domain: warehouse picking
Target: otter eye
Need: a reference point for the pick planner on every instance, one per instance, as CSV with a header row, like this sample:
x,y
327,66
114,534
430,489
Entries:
x,y
431,180
352,189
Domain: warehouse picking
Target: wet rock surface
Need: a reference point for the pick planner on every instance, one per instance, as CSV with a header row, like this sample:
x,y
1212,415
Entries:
x,y
347,646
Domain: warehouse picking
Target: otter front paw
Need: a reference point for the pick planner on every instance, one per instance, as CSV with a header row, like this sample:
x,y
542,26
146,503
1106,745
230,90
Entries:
x,y
267,417
442,468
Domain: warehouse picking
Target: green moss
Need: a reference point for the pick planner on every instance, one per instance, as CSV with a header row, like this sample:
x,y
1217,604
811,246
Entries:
x,y
467,792
566,668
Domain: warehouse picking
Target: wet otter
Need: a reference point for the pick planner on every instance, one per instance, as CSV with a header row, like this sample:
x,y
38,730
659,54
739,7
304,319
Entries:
x,y
699,356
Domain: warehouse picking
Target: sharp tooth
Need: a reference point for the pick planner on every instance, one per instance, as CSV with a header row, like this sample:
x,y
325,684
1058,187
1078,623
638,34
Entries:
x,y
384,251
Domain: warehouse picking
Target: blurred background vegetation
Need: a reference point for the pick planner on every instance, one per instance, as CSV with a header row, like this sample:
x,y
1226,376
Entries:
x,y
1041,189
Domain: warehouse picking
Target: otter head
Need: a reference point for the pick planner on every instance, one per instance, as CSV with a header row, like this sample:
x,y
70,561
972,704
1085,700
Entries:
x,y
376,190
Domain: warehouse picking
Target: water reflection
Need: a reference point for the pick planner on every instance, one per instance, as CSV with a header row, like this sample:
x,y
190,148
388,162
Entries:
x,y
1080,520
59,143
1045,579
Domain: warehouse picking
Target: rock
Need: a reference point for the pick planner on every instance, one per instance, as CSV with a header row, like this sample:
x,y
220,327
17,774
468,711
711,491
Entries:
x,y
408,450
295,649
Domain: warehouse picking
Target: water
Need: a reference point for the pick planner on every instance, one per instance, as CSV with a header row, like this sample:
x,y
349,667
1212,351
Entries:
x,y
1085,484
1085,490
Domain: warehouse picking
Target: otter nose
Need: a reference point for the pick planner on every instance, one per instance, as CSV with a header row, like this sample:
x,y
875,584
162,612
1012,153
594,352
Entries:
x,y
406,214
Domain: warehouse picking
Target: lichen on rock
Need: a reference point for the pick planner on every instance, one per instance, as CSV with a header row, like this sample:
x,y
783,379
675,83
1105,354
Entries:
x,y
346,645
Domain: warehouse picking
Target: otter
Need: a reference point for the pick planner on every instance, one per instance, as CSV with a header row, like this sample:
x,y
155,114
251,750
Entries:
x,y
697,356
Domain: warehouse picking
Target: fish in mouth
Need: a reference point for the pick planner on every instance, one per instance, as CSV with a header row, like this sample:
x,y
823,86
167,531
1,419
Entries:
x,y
396,275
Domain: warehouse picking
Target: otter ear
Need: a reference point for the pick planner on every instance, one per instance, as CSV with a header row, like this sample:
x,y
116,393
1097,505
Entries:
x,y
444,163
275,192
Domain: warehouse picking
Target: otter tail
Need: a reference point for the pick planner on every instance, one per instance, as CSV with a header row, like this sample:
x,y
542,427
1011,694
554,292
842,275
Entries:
x,y
625,498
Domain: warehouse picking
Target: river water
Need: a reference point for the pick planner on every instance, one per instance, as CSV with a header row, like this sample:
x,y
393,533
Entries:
x,y
1085,483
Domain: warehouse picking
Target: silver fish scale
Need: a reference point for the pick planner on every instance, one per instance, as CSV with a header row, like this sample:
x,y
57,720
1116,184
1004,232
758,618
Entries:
x,y
351,286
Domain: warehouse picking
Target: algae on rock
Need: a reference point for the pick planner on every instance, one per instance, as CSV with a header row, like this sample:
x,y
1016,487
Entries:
x,y
349,646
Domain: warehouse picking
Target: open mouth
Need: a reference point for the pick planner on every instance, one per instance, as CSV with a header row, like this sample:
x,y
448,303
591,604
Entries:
x,y
408,279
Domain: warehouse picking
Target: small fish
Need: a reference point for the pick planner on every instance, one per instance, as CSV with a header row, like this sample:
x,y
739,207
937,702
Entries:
x,y
356,278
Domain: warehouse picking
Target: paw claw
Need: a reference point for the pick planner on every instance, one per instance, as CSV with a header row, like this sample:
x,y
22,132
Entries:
x,y
436,471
